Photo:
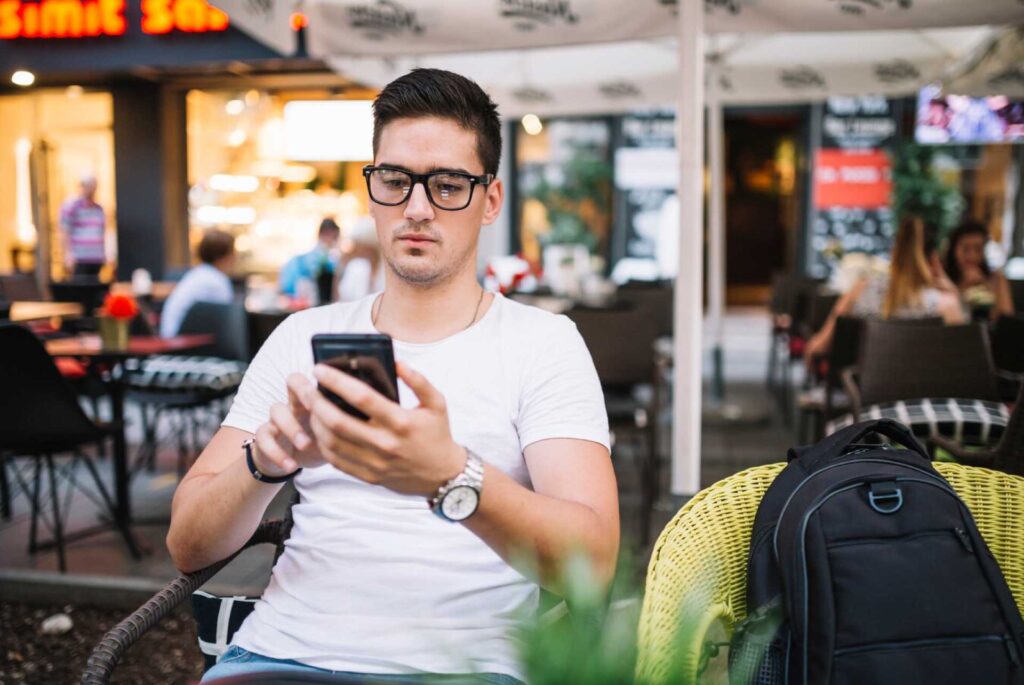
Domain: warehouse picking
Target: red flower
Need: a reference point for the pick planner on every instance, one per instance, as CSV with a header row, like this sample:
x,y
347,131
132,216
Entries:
x,y
120,306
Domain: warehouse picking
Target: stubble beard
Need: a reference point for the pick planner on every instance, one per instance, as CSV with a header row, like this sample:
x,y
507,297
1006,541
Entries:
x,y
428,275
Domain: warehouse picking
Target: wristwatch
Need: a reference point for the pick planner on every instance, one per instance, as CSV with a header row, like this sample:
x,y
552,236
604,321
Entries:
x,y
459,498
259,475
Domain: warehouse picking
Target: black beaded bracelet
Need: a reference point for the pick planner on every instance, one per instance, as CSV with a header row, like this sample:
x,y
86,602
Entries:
x,y
259,475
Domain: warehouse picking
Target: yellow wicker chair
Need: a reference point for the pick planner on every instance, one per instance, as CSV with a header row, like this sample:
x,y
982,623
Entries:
x,y
697,574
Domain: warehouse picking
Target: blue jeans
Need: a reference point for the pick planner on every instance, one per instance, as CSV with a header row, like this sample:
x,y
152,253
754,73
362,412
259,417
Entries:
x,y
237,661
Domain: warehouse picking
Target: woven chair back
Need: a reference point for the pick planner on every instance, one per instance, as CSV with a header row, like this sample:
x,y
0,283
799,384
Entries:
x,y
903,361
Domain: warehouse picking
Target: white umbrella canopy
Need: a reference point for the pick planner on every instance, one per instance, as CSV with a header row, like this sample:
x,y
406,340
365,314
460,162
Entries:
x,y
750,68
388,28
375,40
998,70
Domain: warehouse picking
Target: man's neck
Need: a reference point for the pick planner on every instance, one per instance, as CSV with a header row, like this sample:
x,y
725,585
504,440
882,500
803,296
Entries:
x,y
427,314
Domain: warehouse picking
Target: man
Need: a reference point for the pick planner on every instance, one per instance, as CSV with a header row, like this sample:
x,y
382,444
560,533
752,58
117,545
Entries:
x,y
206,282
83,225
309,264
496,396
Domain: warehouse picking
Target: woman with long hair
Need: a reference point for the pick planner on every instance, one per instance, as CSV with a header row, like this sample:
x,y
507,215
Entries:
x,y
916,288
978,285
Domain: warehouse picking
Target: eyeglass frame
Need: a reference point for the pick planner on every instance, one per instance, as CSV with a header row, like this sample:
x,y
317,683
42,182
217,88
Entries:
x,y
474,181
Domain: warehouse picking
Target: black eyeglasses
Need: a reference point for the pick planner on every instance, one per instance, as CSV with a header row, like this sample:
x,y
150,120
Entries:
x,y
448,190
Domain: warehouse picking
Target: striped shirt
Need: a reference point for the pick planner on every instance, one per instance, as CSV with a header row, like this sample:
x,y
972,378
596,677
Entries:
x,y
83,222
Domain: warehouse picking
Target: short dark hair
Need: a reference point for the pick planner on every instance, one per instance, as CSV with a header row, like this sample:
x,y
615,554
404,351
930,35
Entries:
x,y
968,227
328,225
215,245
443,94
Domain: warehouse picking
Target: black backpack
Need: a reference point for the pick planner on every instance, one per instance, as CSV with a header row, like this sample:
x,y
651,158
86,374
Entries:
x,y
865,567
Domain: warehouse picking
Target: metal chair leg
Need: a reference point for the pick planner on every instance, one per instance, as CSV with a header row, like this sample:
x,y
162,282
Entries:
x,y
109,504
34,499
149,428
5,490
651,485
182,444
58,527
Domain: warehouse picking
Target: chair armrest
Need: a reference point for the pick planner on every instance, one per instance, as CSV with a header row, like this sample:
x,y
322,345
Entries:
x,y
107,654
1012,376
849,376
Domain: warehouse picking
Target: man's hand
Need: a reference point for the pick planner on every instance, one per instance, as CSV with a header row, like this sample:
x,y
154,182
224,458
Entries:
x,y
409,451
284,443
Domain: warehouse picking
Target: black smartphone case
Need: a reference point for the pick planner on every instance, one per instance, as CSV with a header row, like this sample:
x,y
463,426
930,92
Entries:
x,y
369,357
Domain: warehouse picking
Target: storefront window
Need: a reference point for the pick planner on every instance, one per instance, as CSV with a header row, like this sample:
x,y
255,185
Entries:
x,y
48,141
565,186
244,176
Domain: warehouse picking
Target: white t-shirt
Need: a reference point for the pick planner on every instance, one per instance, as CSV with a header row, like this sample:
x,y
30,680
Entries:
x,y
372,581
202,283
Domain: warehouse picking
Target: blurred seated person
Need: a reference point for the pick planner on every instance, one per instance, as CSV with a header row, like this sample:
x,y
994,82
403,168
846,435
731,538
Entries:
x,y
362,273
915,288
308,265
205,282
980,288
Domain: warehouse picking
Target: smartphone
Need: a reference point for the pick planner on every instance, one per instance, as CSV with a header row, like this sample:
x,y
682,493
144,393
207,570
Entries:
x,y
369,357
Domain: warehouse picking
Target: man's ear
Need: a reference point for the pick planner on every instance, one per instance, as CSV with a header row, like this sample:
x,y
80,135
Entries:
x,y
493,201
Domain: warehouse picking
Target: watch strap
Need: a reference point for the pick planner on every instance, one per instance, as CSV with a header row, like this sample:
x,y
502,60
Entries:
x,y
259,475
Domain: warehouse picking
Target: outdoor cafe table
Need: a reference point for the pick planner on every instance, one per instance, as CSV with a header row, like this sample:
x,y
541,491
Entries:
x,y
41,311
88,348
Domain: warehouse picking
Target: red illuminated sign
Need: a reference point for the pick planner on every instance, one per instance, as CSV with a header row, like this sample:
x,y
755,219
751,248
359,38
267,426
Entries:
x,y
91,18
191,16
852,178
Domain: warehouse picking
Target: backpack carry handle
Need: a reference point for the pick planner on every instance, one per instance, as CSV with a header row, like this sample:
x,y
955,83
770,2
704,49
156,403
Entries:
x,y
838,443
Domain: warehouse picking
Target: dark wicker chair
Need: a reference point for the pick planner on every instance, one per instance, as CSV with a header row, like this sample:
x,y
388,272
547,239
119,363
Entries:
x,y
825,400
793,297
902,361
41,420
621,343
19,287
165,392
107,654
1017,293
1007,455
655,298
1008,354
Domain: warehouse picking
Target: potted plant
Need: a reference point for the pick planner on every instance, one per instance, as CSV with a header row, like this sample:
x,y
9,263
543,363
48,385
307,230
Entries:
x,y
918,190
114,318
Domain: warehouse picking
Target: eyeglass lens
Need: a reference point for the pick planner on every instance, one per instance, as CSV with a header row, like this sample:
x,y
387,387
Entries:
x,y
448,191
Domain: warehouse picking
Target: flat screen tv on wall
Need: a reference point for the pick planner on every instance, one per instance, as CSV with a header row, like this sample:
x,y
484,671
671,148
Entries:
x,y
949,118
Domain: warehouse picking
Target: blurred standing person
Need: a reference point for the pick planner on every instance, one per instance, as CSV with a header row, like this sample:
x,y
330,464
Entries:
x,y
981,288
309,265
208,281
915,288
83,224
362,272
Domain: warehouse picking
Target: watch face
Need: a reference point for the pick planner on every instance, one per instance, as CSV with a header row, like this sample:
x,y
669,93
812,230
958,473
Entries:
x,y
460,503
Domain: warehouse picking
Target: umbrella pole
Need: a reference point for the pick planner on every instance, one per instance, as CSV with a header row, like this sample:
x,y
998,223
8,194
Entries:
x,y
716,234
686,386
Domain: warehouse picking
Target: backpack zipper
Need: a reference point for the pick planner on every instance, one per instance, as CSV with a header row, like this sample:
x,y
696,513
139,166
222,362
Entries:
x,y
957,533
965,540
802,561
933,642
1008,619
